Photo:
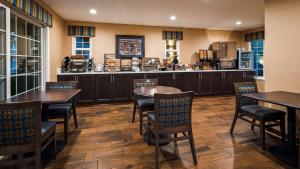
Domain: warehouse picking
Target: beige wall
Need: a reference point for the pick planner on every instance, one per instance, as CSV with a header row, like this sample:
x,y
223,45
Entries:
x,y
193,39
56,45
282,45
57,34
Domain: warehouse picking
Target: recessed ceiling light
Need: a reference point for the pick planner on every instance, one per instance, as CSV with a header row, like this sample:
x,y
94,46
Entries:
x,y
173,18
238,22
93,11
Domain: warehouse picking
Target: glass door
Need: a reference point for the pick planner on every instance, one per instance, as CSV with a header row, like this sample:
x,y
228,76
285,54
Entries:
x,y
3,51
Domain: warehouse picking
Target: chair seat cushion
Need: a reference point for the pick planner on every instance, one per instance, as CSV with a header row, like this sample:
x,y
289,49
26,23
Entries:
x,y
263,113
146,103
47,126
59,110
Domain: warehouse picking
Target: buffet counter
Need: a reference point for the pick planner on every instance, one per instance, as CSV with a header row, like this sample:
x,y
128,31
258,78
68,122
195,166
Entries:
x,y
117,86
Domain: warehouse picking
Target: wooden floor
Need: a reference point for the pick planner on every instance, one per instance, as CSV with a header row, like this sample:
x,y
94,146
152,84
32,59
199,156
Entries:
x,y
106,139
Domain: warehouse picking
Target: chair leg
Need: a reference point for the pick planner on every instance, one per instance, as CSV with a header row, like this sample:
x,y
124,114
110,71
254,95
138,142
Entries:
x,y
262,135
252,124
134,111
141,122
234,122
282,131
75,117
38,159
191,139
175,142
156,150
66,128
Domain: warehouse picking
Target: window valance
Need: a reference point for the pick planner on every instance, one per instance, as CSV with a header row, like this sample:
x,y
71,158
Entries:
x,y
33,9
254,36
88,31
175,35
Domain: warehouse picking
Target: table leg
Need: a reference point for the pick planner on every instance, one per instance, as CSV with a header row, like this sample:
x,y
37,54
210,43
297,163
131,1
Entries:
x,y
289,152
44,112
291,129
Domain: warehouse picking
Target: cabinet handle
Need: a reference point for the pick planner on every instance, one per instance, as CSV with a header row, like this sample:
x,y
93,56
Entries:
x,y
199,76
174,76
114,78
111,79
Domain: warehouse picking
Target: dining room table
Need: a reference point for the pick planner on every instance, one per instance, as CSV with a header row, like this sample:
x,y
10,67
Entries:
x,y
149,92
47,97
289,151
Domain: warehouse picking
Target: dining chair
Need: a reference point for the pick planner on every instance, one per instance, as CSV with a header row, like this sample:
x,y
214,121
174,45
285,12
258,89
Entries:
x,y
141,103
64,110
22,132
172,115
250,108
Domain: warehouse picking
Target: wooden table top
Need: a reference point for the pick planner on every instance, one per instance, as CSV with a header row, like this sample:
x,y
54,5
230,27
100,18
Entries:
x,y
151,90
282,98
46,97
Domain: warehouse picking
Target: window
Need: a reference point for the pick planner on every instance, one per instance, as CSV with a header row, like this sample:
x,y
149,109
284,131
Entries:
x,y
257,47
172,49
3,53
82,46
25,56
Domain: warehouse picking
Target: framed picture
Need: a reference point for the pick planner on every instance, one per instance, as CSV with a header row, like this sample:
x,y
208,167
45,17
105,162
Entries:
x,y
128,46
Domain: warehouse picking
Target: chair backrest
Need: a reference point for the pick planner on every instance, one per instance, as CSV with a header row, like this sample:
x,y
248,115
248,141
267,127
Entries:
x,y
173,110
61,85
20,123
244,88
144,82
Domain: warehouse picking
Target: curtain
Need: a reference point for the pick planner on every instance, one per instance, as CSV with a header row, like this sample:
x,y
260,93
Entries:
x,y
33,9
88,31
174,35
254,36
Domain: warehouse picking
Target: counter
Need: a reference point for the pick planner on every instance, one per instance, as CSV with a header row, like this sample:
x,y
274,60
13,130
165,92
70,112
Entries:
x,y
117,86
147,72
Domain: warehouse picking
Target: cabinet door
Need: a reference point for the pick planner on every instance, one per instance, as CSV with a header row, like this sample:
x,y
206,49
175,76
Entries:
x,y
237,76
179,81
166,79
135,76
249,76
205,84
228,83
217,83
192,82
87,85
103,87
120,89
66,78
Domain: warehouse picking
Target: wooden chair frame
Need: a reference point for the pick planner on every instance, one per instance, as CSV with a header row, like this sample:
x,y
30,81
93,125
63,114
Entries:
x,y
73,85
141,110
155,128
262,124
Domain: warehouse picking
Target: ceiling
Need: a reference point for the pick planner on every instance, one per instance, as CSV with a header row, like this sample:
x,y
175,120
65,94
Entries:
x,y
209,14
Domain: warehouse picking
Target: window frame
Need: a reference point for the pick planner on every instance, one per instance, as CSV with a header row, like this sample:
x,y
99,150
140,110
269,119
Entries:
x,y
254,60
43,55
74,48
177,49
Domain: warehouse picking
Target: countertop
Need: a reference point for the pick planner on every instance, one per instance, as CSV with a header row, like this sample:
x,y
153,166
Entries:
x,y
143,72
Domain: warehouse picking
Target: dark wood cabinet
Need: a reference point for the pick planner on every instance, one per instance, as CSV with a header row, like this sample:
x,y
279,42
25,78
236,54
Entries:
x,y
119,86
103,87
86,83
217,83
205,84
112,87
192,82
227,83
179,81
